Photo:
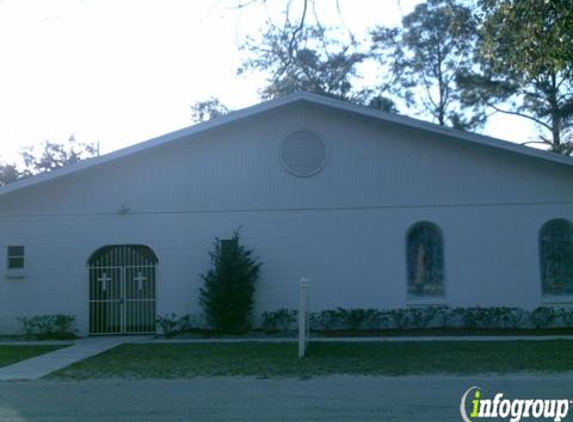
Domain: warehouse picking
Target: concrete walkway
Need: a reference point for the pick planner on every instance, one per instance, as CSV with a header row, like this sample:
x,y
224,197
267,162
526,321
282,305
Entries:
x,y
40,366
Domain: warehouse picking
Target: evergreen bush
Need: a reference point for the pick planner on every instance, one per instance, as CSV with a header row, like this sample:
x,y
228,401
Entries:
x,y
227,295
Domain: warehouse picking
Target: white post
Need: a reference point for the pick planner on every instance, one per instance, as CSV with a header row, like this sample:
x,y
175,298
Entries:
x,y
302,315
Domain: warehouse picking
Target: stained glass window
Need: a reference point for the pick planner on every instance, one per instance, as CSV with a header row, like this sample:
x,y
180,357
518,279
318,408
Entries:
x,y
556,255
425,255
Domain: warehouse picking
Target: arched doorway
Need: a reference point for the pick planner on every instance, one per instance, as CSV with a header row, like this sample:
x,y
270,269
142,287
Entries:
x,y
122,290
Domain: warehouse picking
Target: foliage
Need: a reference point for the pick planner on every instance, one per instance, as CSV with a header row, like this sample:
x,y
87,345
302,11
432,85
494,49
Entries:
x,y
51,156
543,316
327,320
171,324
473,317
227,294
524,65
312,61
421,317
358,319
382,103
208,109
453,60
8,173
58,326
348,319
476,317
490,317
279,321
400,317
566,315
442,316
508,317
55,155
424,55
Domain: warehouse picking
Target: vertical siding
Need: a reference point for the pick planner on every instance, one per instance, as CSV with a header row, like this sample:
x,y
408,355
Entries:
x,y
355,258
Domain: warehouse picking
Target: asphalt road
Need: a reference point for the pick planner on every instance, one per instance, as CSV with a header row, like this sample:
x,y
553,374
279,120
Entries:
x,y
330,399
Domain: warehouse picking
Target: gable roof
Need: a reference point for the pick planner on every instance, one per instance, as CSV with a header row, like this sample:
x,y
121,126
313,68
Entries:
x,y
301,97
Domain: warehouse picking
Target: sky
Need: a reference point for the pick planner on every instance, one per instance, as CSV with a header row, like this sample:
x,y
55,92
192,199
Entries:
x,y
119,72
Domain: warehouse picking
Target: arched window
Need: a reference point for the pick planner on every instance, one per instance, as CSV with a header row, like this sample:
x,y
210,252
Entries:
x,y
556,256
425,255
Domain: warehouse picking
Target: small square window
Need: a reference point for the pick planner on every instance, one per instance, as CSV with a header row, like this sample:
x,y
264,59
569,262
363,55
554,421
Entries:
x,y
15,257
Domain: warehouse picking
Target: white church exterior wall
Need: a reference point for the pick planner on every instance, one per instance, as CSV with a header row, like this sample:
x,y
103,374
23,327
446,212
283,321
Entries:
x,y
344,227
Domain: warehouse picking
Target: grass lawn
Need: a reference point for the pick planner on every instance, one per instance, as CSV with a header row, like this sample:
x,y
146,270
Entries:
x,y
279,359
13,354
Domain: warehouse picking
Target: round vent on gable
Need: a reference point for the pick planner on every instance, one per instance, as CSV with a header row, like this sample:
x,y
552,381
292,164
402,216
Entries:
x,y
303,153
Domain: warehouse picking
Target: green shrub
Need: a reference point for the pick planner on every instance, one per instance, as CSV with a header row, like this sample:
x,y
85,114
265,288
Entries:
x,y
477,317
227,293
380,320
357,318
465,315
349,319
510,317
473,317
543,316
279,321
443,316
58,326
566,315
171,324
400,317
327,320
422,317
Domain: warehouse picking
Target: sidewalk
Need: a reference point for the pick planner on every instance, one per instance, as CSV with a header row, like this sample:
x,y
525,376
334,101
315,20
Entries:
x,y
40,366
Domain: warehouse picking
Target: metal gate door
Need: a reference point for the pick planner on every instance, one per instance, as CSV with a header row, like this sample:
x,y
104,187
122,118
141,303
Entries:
x,y
122,290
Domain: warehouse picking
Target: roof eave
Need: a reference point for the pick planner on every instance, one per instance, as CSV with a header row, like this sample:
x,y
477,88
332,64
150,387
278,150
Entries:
x,y
442,130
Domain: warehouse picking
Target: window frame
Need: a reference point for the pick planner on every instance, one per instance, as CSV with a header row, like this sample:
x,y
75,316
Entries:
x,y
12,271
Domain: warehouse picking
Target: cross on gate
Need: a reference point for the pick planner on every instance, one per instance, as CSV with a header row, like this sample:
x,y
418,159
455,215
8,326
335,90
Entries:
x,y
140,279
103,280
